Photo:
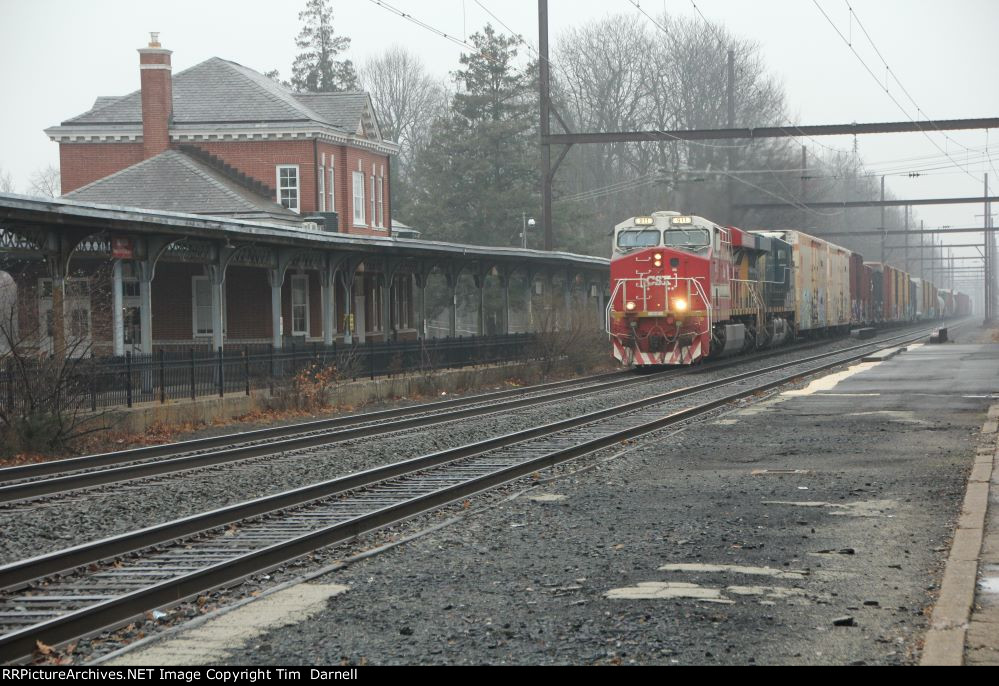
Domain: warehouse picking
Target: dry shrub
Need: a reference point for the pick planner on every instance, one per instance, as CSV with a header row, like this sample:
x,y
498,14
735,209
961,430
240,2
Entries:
x,y
318,386
567,341
312,389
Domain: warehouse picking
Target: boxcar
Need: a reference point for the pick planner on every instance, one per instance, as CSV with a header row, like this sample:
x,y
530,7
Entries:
x,y
821,282
916,311
930,306
945,298
860,290
962,304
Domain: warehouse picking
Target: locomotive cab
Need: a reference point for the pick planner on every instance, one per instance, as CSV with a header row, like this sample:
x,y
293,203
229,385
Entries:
x,y
660,309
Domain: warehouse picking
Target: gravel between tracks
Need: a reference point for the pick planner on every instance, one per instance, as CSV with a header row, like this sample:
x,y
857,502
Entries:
x,y
60,522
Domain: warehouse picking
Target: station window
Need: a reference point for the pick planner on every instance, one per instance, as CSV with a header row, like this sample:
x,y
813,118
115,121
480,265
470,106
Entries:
x,y
322,189
359,198
331,190
381,202
201,289
288,186
300,305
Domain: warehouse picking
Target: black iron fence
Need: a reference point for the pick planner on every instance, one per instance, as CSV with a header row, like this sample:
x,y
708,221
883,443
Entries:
x,y
198,373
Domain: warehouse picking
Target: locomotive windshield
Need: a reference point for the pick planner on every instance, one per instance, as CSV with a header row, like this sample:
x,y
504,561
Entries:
x,y
693,237
644,238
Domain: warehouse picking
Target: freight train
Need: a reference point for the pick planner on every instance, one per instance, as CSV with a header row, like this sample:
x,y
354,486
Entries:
x,y
684,289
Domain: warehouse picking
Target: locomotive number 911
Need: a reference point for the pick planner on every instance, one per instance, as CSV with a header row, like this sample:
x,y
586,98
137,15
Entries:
x,y
684,289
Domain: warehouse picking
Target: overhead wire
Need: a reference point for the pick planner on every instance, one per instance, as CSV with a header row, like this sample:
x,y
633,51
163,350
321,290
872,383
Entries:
x,y
776,178
409,17
919,110
887,90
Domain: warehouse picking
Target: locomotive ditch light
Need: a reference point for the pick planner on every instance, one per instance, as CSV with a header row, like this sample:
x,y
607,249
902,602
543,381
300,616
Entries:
x,y
680,305
631,306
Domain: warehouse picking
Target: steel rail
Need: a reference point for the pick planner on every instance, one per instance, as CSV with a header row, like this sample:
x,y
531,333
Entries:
x,y
115,611
169,449
325,432
371,426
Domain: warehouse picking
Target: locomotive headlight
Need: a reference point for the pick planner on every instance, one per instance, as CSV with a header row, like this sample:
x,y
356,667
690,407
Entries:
x,y
680,305
658,263
631,306
658,257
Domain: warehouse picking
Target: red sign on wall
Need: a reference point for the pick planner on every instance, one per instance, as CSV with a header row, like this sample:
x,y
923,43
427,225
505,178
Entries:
x,y
122,249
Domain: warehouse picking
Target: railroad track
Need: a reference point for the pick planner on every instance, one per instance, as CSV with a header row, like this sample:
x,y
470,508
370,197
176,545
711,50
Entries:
x,y
66,476
108,583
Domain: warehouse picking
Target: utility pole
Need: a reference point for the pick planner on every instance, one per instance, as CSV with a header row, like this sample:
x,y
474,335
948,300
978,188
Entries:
x,y
907,269
922,250
544,75
804,185
989,285
731,124
884,229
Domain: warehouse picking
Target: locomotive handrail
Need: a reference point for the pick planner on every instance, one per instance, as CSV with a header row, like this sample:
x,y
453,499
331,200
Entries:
x,y
622,284
610,306
751,285
707,301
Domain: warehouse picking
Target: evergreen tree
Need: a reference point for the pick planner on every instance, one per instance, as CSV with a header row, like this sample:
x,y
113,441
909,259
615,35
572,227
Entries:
x,y
478,171
316,69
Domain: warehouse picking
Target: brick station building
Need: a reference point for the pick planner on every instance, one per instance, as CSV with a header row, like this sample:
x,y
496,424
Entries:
x,y
285,198
220,139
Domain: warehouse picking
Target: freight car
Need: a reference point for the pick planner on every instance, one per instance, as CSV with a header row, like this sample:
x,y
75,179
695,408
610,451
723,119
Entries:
x,y
860,290
963,304
890,294
923,300
945,300
821,285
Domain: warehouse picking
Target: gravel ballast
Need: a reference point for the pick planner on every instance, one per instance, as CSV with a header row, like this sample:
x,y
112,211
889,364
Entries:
x,y
62,521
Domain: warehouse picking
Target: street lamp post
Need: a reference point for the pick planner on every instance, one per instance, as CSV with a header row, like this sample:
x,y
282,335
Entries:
x,y
528,223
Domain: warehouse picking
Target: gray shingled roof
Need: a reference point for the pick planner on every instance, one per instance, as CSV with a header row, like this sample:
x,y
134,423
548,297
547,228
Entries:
x,y
218,91
174,182
343,110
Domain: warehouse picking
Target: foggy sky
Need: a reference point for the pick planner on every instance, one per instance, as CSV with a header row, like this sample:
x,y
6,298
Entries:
x,y
57,56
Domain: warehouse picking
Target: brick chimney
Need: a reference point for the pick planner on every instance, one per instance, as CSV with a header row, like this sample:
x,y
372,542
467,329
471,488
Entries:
x,y
157,97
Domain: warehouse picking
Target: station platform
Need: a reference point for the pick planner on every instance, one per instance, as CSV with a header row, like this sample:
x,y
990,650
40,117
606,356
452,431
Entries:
x,y
814,526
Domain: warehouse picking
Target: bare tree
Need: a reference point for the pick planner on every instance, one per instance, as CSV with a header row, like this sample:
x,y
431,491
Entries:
x,y
46,182
406,96
624,74
6,182
45,393
8,303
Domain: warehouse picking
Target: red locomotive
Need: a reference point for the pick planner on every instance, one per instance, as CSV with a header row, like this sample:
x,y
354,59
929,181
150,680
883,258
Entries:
x,y
685,289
